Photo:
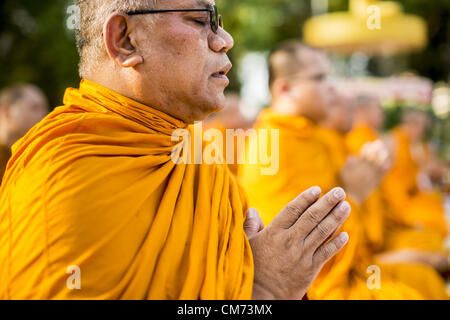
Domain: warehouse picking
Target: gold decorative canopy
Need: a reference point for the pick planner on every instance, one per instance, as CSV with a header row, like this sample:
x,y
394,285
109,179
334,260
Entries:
x,y
370,26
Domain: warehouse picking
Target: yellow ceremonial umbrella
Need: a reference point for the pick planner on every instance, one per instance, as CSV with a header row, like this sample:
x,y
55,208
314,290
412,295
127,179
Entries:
x,y
370,26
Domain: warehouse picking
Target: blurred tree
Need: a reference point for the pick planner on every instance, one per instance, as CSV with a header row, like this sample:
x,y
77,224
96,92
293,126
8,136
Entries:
x,y
36,47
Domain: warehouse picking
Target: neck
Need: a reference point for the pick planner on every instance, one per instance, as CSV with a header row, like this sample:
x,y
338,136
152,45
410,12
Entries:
x,y
285,106
131,88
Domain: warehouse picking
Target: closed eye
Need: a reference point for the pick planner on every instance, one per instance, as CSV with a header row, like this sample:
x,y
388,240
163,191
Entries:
x,y
200,22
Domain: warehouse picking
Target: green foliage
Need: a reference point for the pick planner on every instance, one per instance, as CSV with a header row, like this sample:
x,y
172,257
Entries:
x,y
36,47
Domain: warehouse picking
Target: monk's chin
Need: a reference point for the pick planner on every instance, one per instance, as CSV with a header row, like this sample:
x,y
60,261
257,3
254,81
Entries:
x,y
209,111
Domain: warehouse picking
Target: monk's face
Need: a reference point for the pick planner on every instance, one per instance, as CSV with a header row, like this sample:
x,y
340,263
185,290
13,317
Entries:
x,y
417,125
31,108
185,62
376,115
313,91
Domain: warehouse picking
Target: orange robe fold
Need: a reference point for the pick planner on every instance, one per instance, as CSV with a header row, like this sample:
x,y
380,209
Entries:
x,y
93,185
305,160
358,137
417,219
5,154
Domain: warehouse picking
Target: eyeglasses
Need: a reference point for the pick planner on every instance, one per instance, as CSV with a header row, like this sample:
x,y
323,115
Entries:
x,y
214,17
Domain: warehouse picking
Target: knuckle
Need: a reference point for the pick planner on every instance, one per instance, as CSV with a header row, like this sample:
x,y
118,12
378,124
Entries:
x,y
329,250
330,200
337,219
323,229
292,211
313,217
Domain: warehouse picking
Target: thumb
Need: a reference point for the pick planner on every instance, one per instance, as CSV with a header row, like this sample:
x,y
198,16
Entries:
x,y
253,223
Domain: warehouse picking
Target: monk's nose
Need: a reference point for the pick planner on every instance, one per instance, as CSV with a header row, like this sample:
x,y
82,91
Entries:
x,y
221,42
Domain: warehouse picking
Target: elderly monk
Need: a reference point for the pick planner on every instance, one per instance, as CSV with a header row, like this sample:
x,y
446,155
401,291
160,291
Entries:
x,y
417,217
95,205
21,107
302,98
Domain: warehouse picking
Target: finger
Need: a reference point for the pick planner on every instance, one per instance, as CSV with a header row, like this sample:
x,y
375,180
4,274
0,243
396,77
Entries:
x,y
328,226
253,223
330,249
292,212
366,150
317,212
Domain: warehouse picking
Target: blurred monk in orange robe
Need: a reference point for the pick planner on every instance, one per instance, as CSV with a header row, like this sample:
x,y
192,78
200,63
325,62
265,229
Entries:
x,y
302,98
369,120
417,218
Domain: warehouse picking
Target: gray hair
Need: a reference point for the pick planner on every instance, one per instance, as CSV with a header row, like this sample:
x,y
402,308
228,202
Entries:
x,y
89,35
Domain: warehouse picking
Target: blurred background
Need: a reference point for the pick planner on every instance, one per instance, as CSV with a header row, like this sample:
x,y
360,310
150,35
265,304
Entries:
x,y
405,60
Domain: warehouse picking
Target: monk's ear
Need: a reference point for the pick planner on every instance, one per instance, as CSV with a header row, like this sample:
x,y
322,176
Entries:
x,y
280,86
119,46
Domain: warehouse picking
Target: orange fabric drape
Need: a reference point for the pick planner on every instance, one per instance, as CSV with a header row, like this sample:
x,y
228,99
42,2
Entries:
x,y
93,185
5,154
417,218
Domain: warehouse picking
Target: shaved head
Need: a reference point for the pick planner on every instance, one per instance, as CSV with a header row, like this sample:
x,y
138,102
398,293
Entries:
x,y
288,59
299,81
92,16
21,107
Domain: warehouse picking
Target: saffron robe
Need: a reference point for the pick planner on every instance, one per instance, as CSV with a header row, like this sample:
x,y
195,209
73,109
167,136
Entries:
x,y
417,219
93,185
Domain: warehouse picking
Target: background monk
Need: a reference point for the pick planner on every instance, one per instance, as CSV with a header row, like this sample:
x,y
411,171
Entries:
x,y
21,107
417,218
302,98
369,119
332,130
94,204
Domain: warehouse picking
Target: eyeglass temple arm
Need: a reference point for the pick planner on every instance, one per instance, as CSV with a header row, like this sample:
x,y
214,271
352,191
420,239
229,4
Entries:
x,y
131,13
